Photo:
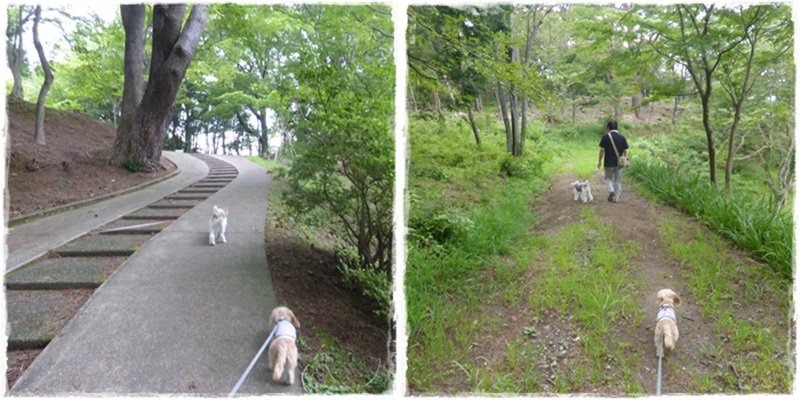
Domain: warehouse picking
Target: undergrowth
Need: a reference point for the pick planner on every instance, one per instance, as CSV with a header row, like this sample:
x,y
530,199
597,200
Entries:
x,y
469,207
335,369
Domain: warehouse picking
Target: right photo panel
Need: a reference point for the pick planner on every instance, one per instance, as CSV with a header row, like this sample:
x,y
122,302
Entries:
x,y
600,199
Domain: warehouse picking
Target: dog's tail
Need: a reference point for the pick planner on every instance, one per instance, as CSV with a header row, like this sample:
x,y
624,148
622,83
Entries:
x,y
669,341
280,362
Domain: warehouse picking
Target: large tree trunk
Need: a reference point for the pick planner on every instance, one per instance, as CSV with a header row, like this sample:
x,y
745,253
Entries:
x,y
172,53
530,36
48,78
133,17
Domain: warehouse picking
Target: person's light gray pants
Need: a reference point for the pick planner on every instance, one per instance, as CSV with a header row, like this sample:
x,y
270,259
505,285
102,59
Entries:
x,y
614,181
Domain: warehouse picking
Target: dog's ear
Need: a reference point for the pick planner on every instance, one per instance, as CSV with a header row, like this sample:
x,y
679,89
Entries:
x,y
294,320
226,211
677,300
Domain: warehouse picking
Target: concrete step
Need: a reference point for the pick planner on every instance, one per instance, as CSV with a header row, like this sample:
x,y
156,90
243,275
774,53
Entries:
x,y
209,185
199,190
103,246
63,273
216,180
165,203
148,213
35,317
187,196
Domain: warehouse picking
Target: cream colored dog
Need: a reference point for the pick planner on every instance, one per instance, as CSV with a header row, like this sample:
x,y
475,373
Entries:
x,y
217,225
282,348
666,322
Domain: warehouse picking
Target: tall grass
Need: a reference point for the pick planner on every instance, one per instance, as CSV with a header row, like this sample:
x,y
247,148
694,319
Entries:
x,y
751,224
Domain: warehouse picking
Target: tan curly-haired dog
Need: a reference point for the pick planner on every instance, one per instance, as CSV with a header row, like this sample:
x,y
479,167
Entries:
x,y
666,334
282,348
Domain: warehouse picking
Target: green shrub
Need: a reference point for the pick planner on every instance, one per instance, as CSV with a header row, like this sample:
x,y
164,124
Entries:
x,y
440,226
133,164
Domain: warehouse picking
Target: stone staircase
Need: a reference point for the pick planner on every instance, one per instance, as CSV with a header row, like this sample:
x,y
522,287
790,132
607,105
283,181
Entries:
x,y
42,296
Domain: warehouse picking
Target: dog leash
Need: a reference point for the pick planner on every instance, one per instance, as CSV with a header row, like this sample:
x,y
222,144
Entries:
x,y
660,356
252,363
658,381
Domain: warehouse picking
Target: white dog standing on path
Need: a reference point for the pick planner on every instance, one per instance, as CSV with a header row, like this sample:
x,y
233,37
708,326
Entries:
x,y
582,190
217,225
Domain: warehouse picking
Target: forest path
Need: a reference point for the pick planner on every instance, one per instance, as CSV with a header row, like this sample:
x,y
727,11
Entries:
x,y
636,219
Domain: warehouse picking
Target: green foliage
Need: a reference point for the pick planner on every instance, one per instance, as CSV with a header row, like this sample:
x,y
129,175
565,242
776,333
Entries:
x,y
751,224
90,78
377,285
344,138
133,164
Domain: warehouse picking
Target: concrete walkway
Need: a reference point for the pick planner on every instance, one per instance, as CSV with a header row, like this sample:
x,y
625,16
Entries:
x,y
179,316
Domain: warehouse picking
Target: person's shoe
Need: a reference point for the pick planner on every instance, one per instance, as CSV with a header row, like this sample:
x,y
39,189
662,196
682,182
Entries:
x,y
611,196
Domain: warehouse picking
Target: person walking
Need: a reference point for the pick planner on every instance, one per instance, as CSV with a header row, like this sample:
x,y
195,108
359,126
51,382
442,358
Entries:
x,y
611,150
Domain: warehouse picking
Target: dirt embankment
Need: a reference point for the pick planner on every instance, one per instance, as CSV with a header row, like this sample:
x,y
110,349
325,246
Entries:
x,y
70,167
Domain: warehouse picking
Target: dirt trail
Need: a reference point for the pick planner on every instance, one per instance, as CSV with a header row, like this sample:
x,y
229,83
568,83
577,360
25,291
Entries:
x,y
636,219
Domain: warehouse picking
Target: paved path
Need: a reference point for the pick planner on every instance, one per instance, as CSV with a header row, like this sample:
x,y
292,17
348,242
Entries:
x,y
179,316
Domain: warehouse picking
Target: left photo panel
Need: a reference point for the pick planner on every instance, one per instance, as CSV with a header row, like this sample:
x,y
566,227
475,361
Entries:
x,y
199,199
